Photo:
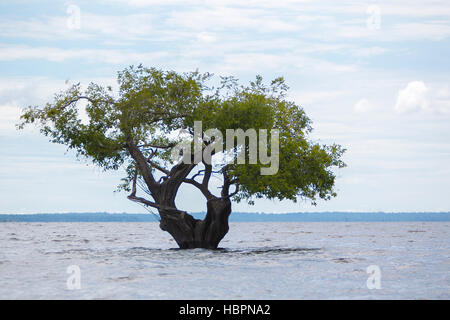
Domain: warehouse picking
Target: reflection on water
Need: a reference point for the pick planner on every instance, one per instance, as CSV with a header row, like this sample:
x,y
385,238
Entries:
x,y
274,251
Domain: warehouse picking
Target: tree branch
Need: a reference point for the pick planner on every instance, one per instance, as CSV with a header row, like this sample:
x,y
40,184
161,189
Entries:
x,y
199,173
158,167
234,192
88,99
156,146
144,201
208,171
227,182
141,162
201,187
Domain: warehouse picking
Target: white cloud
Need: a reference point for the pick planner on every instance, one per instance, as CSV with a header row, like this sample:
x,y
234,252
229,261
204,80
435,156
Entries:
x,y
18,93
315,97
362,106
102,27
12,53
82,113
426,30
173,19
414,8
228,18
419,97
206,37
9,116
441,101
369,52
412,98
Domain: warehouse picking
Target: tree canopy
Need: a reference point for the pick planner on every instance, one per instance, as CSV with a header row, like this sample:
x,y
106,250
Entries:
x,y
138,127
151,104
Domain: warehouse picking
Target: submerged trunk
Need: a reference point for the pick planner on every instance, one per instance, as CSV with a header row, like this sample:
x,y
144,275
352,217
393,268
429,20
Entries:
x,y
190,233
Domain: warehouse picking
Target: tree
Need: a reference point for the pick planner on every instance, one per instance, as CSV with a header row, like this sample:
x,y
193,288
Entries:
x,y
142,126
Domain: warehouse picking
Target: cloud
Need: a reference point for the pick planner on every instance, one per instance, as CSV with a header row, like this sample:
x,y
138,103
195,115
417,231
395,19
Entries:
x,y
415,8
362,106
93,26
178,20
441,99
206,37
18,93
419,97
9,116
427,30
316,97
369,52
228,18
412,98
53,54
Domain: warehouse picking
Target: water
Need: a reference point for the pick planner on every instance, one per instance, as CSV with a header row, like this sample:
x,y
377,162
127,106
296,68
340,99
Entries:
x,y
313,260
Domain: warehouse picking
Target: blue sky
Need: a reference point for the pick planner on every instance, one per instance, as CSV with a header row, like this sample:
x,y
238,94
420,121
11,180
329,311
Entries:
x,y
372,75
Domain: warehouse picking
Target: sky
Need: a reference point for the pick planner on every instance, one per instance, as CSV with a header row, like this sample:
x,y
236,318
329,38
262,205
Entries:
x,y
374,76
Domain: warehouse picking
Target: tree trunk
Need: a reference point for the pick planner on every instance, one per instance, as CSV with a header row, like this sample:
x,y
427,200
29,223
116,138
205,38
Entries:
x,y
192,233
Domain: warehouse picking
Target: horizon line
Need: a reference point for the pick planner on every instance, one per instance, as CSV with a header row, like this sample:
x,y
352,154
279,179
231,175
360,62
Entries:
x,y
203,212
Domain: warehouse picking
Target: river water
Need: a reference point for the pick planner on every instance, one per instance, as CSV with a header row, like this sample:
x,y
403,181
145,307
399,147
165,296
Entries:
x,y
312,260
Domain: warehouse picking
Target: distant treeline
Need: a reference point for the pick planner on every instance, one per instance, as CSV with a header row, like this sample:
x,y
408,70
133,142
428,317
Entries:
x,y
235,217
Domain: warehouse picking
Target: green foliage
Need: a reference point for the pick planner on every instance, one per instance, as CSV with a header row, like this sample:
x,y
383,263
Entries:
x,y
152,104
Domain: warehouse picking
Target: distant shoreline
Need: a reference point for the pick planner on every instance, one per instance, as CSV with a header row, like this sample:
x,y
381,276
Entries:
x,y
235,217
